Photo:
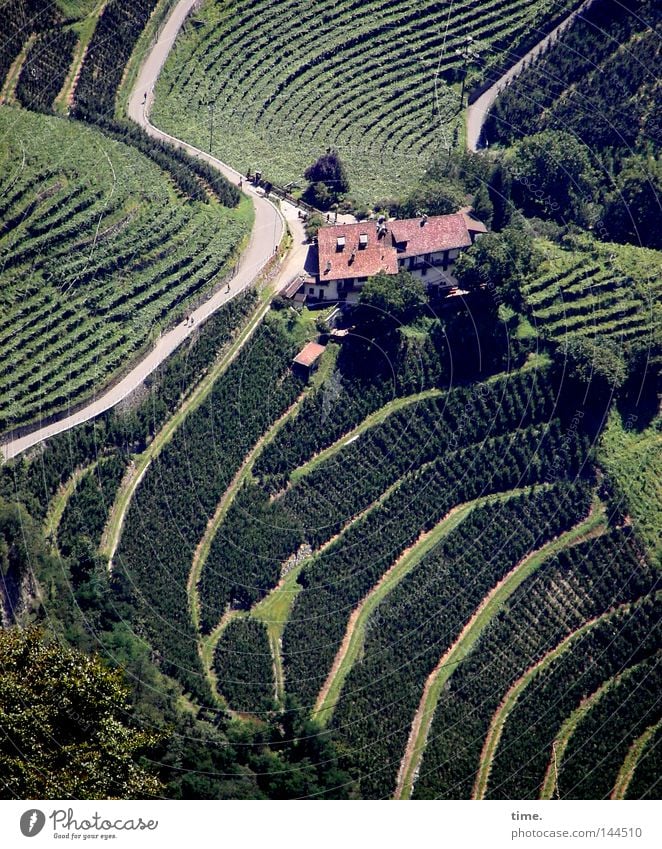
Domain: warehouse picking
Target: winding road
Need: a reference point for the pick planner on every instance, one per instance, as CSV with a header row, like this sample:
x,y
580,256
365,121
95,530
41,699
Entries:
x,y
267,231
266,235
477,112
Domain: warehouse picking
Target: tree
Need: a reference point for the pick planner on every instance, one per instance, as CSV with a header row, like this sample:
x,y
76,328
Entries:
x,y
388,300
61,714
482,205
498,262
499,190
596,362
313,223
632,210
327,171
553,177
434,197
318,194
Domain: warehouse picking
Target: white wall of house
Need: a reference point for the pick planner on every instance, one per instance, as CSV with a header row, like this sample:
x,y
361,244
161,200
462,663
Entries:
x,y
434,269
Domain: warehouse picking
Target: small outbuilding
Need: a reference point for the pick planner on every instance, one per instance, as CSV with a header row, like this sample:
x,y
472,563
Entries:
x,y
307,360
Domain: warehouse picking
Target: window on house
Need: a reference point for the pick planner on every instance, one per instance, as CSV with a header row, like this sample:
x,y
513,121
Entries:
x,y
311,291
340,243
363,241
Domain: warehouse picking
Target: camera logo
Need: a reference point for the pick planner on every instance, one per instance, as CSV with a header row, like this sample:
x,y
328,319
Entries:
x,y
32,822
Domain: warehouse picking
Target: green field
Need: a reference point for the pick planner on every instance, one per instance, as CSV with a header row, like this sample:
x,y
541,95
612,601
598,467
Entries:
x,y
76,9
289,78
606,290
99,253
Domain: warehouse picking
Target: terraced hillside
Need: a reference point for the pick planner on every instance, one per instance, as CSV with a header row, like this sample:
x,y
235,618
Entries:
x,y
420,619
597,575
632,456
287,79
98,250
608,57
175,501
598,291
610,647
415,578
43,41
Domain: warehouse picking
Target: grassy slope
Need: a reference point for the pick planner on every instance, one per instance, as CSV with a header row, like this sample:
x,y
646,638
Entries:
x,y
77,9
91,254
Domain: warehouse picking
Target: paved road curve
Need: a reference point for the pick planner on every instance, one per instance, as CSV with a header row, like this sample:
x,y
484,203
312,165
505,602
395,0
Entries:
x,y
477,112
267,230
265,237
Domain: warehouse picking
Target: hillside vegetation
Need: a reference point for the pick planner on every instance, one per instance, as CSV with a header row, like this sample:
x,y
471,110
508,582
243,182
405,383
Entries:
x,y
98,251
327,521
288,79
431,569
598,85
42,41
598,292
599,80
633,459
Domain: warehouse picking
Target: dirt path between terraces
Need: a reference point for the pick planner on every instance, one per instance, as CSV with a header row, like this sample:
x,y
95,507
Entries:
x,y
356,613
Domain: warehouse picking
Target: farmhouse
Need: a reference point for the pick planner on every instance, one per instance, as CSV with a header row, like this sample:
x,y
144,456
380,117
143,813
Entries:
x,y
348,254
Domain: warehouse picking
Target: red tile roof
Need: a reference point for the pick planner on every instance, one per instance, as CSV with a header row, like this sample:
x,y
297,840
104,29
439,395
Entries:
x,y
353,261
417,236
404,238
308,354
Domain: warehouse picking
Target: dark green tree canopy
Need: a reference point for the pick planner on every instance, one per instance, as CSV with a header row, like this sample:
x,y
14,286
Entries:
x,y
633,209
313,223
553,177
498,261
64,733
434,197
388,300
591,362
328,180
